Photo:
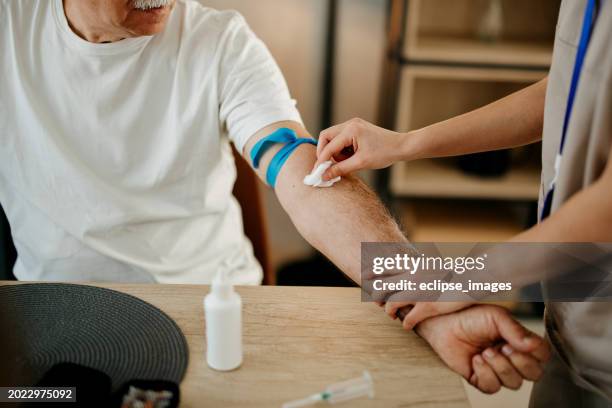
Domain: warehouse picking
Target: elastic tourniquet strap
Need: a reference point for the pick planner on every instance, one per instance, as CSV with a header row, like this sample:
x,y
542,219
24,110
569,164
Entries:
x,y
284,136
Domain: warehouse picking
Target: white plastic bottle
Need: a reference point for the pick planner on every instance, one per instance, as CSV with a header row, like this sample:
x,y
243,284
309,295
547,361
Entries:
x,y
223,311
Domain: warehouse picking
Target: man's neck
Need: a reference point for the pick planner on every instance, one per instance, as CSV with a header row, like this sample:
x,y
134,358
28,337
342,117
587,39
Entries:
x,y
86,23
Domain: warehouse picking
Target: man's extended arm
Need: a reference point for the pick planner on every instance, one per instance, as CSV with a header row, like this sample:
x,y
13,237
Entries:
x,y
334,220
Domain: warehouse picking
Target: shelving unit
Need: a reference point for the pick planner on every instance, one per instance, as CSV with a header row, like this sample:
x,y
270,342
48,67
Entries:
x,y
438,66
451,31
441,179
430,94
441,63
468,51
432,222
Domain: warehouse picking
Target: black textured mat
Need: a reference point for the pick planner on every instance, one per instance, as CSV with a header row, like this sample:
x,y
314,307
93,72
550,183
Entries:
x,y
115,333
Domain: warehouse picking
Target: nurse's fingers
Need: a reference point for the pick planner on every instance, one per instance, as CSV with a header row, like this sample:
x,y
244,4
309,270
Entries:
x,y
529,367
421,311
343,168
391,308
424,310
327,135
503,368
335,147
484,377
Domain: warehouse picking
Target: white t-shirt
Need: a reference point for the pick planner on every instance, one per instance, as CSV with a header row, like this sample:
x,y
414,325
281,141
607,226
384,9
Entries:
x,y
115,163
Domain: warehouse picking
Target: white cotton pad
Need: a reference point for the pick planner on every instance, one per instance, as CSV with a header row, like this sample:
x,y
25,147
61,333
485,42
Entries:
x,y
314,179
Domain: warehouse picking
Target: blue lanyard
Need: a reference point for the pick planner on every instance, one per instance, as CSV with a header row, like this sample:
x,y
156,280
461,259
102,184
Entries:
x,y
588,23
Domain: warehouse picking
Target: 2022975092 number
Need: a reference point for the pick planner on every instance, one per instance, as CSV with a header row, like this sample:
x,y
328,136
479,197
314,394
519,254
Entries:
x,y
42,394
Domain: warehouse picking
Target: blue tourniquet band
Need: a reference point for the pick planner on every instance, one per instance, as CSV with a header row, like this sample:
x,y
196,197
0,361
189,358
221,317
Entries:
x,y
285,136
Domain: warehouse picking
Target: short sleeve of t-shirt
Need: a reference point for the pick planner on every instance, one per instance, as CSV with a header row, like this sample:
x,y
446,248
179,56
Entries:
x,y
253,91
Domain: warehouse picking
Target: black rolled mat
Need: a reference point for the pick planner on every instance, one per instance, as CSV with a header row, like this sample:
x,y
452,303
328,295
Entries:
x,y
115,333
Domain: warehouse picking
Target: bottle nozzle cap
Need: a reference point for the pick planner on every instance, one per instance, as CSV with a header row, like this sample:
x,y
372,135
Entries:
x,y
221,283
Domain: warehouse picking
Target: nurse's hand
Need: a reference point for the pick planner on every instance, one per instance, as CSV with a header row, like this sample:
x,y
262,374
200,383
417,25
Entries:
x,y
357,145
421,311
486,346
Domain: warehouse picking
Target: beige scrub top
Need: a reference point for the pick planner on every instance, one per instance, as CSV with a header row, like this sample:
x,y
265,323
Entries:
x,y
580,332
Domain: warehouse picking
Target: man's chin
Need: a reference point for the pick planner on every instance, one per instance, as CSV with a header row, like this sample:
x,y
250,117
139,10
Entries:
x,y
149,22
139,29
149,30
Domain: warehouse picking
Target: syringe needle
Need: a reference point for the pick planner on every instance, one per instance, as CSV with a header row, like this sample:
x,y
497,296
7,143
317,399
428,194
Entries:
x,y
305,402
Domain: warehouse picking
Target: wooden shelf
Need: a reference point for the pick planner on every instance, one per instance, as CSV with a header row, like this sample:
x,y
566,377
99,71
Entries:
x,y
460,221
472,51
440,179
446,67
448,31
429,94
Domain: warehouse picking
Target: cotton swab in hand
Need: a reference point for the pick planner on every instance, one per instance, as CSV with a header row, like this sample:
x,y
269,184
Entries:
x,y
315,179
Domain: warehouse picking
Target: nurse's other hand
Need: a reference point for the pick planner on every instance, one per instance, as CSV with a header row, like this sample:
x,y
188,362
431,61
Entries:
x,y
421,311
472,343
356,145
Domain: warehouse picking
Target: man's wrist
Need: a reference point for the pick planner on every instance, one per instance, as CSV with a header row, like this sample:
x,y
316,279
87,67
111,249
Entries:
x,y
425,328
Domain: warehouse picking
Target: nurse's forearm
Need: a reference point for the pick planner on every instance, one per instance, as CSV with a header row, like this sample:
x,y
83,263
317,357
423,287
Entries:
x,y
334,220
515,120
586,217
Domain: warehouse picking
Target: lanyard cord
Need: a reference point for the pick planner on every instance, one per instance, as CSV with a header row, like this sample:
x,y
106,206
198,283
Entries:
x,y
588,24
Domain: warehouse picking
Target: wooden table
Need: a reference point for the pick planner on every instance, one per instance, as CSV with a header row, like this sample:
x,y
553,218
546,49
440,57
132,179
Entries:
x,y
298,340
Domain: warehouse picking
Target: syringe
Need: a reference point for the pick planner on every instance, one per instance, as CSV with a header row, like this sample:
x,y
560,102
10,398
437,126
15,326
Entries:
x,y
339,392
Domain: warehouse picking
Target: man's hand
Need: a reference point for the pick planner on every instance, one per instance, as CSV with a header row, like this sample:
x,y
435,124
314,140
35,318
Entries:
x,y
470,342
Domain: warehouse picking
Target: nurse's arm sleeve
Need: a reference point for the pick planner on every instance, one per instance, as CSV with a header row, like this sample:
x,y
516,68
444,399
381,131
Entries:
x,y
334,220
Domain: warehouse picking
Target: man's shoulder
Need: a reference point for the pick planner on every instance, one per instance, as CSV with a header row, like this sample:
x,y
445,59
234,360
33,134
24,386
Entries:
x,y
22,15
24,10
8,6
17,5
199,17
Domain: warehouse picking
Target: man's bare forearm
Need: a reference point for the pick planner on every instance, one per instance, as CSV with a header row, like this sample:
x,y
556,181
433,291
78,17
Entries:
x,y
338,219
515,120
334,220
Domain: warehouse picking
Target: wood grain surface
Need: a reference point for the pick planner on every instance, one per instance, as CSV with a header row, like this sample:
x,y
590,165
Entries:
x,y
297,341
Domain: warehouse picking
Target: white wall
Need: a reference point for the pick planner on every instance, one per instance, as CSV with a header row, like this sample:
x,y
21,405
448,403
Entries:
x,y
359,58
294,30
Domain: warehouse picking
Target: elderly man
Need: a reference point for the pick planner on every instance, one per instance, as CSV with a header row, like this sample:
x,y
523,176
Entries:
x,y
115,162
